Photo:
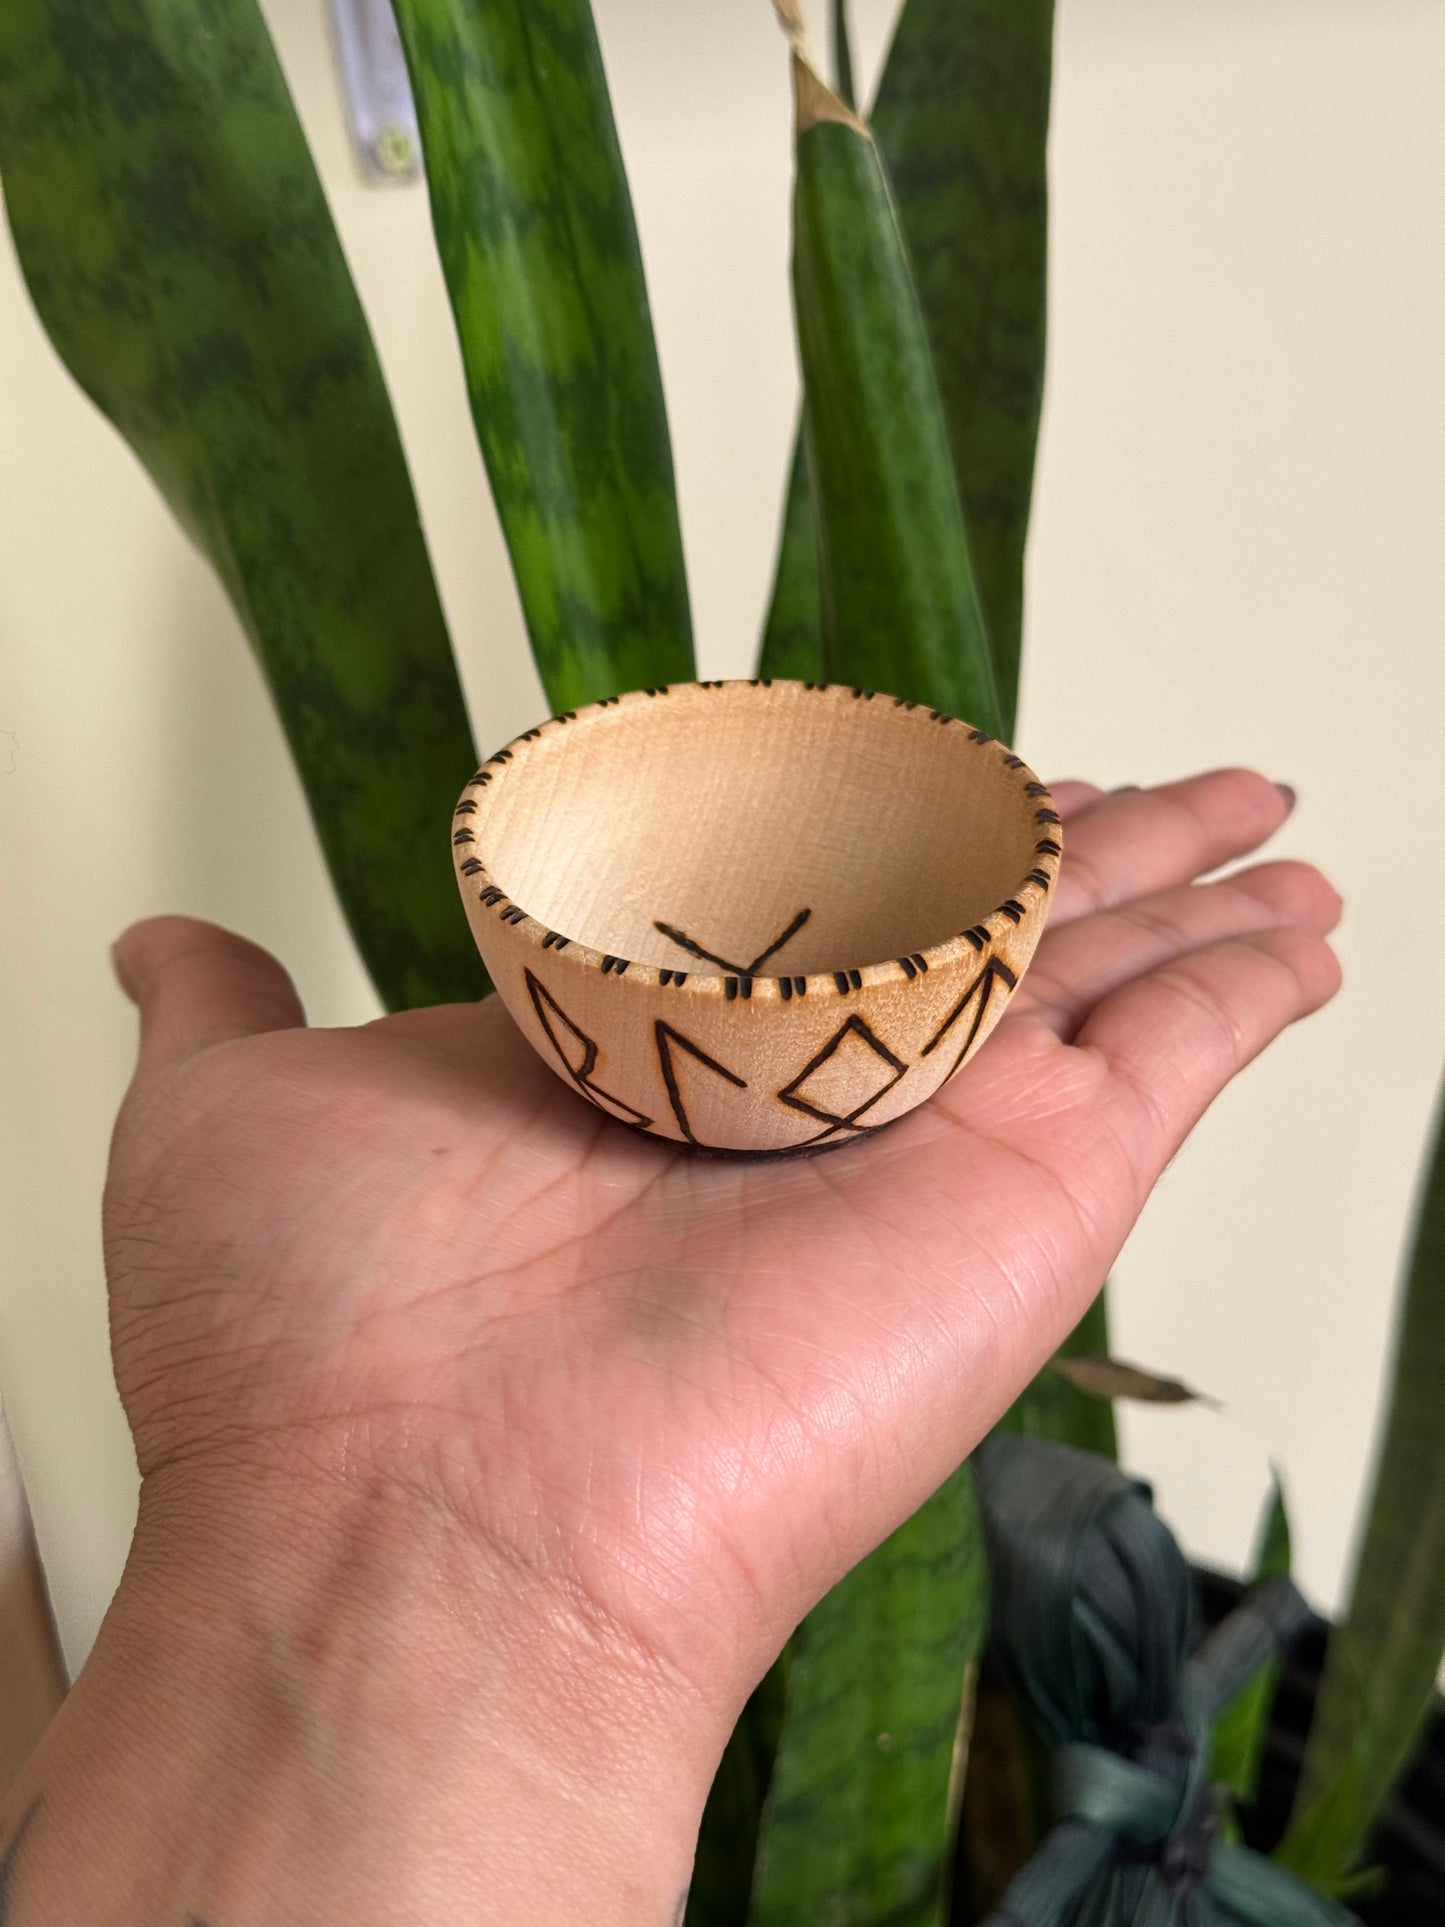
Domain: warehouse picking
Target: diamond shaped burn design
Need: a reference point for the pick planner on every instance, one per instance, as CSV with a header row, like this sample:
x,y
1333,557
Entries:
x,y
828,1059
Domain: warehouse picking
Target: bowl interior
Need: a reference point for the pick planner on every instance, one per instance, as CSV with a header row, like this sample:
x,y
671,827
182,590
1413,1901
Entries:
x,y
763,829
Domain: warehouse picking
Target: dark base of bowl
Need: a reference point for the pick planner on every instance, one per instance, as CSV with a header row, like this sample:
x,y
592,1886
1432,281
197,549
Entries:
x,y
812,1149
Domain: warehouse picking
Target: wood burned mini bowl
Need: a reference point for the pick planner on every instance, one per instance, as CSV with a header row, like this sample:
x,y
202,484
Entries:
x,y
756,918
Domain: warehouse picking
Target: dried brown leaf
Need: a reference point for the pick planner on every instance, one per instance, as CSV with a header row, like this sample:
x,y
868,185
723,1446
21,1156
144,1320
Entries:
x,y
1116,1378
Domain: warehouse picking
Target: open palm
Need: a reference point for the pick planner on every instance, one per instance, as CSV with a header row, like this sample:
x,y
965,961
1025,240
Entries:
x,y
687,1393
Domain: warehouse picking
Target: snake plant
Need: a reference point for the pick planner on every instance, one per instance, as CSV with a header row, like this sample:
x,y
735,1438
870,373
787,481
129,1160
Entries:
x,y
170,225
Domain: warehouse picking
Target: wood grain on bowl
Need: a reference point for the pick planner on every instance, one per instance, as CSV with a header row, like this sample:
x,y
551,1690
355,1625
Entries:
x,y
757,918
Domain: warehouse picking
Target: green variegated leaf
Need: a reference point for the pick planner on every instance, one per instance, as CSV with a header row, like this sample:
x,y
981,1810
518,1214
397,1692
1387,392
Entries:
x,y
1379,1679
961,119
861,1817
537,241
793,631
900,611
180,254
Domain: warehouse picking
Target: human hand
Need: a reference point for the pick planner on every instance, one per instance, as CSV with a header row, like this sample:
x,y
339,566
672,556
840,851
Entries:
x,y
398,1286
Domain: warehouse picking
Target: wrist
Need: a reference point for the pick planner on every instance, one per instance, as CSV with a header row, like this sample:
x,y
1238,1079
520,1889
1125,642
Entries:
x,y
332,1714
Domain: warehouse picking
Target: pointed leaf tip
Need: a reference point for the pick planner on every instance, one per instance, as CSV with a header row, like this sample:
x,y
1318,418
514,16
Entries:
x,y
814,102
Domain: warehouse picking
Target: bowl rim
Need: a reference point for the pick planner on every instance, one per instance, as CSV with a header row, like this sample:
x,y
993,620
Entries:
x,y
968,946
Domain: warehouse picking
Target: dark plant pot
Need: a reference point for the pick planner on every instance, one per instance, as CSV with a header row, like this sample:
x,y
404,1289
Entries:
x,y
1409,1844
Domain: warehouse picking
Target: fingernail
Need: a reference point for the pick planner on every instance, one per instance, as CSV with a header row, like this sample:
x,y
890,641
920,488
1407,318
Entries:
x,y
1286,790
1123,789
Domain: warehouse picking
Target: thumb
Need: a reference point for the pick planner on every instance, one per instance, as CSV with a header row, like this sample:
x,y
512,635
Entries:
x,y
196,985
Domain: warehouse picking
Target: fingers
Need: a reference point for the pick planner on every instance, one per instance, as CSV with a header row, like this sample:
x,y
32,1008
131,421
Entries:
x,y
1176,1036
1071,797
196,985
1090,957
1135,843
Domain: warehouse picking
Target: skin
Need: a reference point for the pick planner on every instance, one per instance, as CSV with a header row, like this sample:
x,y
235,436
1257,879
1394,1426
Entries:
x,y
490,1452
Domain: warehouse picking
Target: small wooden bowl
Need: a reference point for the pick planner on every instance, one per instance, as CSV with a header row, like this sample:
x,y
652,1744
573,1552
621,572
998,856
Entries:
x,y
757,918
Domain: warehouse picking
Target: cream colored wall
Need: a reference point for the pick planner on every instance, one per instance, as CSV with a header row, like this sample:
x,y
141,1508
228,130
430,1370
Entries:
x,y
1236,557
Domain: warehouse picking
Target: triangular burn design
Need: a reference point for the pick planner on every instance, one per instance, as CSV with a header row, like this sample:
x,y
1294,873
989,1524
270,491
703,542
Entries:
x,y
833,1120
981,988
669,1039
550,1015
